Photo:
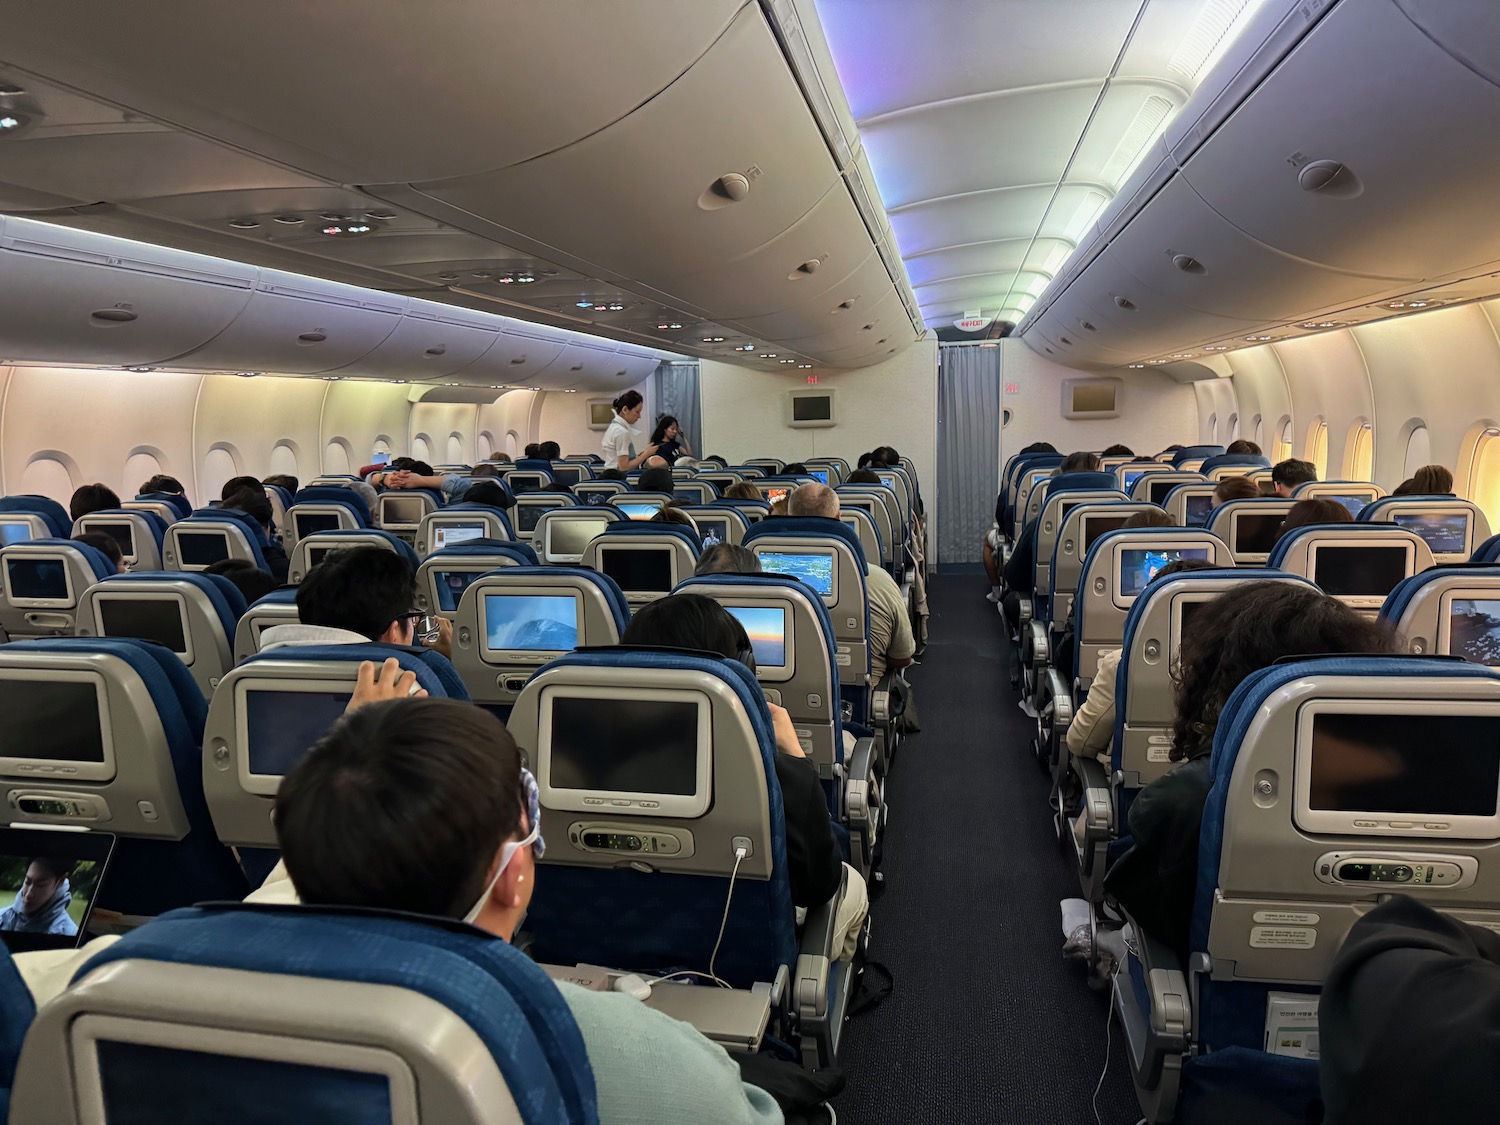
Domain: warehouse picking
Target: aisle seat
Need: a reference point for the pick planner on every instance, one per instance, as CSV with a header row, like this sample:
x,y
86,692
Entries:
x,y
1451,610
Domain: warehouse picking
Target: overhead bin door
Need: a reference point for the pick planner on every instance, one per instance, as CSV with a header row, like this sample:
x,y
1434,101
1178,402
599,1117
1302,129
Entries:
x,y
517,356
72,296
1417,128
298,326
428,343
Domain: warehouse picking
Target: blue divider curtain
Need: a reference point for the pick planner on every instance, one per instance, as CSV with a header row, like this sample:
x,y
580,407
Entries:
x,y
968,449
674,391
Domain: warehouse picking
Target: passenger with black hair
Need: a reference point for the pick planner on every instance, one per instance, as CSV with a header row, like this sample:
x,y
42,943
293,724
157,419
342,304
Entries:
x,y
283,480
623,442
490,493
656,480
1315,509
533,451
251,581
163,484
557,486
798,469
863,476
356,596
613,474
89,498
814,868
1288,475
1118,450
548,451
252,500
1018,570
728,558
1241,446
670,442
107,545
990,547
41,902
238,484
1173,448
1243,630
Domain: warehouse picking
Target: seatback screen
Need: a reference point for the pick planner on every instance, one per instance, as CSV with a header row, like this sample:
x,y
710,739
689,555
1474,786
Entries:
x,y
402,509
819,475
37,579
639,509
151,620
567,474
528,515
815,570
447,534
450,586
524,482
1446,533
14,533
52,720
530,622
766,627
1131,477
202,548
1358,571
310,523
1354,504
1160,488
624,745
571,536
1255,532
596,497
48,882
1474,630
635,570
281,726
1095,526
1198,509
774,494
121,533
1139,566
1420,765
714,531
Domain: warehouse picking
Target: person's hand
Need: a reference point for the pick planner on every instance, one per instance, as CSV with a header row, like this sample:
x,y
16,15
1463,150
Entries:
x,y
444,642
786,734
398,478
650,452
379,685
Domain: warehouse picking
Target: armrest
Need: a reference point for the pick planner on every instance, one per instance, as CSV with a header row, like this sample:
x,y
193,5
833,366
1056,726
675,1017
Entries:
x,y
1041,644
811,979
861,800
1158,1037
1098,798
1026,609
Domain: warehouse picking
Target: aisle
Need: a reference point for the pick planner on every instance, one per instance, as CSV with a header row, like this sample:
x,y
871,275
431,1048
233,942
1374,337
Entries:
x,y
987,1022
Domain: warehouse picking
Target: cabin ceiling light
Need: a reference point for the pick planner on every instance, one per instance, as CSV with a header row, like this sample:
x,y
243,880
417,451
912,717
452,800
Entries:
x,y
768,355
290,220
1312,324
138,370
1216,348
713,339
1136,365
332,378
789,361
672,327
244,224
12,122
351,228
1256,339
804,365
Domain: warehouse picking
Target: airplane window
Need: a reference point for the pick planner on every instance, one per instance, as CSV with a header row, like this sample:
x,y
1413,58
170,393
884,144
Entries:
x,y
1284,442
1484,475
1361,463
1317,445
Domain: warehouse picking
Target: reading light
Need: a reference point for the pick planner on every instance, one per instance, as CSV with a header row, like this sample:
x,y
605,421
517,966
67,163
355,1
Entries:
x,y
804,365
11,122
584,304
668,327
1216,347
1136,365
1254,339
290,220
767,355
400,382
332,378
789,361
244,224
139,370
347,229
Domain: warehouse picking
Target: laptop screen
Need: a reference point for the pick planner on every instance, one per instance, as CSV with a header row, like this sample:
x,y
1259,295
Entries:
x,y
48,882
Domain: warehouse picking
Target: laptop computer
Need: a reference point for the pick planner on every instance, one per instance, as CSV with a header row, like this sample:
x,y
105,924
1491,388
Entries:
x,y
49,881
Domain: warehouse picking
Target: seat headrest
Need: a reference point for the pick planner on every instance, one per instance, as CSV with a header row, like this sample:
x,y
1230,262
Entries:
x,y
522,553
1082,482
178,503
1360,528
97,560
395,542
647,529
223,594
53,514
409,659
565,576
1231,460
1196,453
805,526
1408,588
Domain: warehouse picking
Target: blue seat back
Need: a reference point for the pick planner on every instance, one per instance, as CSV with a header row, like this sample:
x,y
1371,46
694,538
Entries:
x,y
1196,453
53,514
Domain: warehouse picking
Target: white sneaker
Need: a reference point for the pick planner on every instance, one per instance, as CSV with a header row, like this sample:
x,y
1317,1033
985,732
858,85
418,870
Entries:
x,y
993,595
1026,706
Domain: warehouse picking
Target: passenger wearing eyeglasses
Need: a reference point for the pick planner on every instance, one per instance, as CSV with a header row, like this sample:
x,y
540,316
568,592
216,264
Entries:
x,y
357,596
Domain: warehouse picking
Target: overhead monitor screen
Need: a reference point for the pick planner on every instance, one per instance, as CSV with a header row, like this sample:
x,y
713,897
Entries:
x,y
310,523
402,509
1095,526
48,882
156,619
202,548
766,626
530,622
37,579
14,533
1358,571
122,533
1424,765
1139,566
713,530
812,408
815,570
1198,509
281,726
52,720
1354,504
1447,533
624,745
450,586
638,570
1474,630
447,534
568,537
1255,532
639,509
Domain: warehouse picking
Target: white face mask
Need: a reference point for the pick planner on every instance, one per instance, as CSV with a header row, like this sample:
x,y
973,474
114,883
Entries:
x,y
507,853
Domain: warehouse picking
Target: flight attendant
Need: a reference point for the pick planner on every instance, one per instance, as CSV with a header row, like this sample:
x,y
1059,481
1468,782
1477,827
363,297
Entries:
x,y
621,438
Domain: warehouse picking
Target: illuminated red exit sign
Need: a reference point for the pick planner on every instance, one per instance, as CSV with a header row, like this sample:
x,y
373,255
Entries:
x,y
1012,388
812,379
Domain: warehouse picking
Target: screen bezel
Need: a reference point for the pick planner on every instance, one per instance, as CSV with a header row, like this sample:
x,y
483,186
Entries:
x,y
202,532
715,518
266,784
102,526
102,597
1324,822
67,602
686,806
301,533
558,557
527,502
441,527
1117,551
1360,601
1187,500
1234,533
46,769
832,597
1445,615
674,576
509,657
772,673
388,521
1413,512
21,521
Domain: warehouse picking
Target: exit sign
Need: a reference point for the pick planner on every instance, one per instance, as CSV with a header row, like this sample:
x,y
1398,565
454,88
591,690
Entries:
x,y
811,379
1012,388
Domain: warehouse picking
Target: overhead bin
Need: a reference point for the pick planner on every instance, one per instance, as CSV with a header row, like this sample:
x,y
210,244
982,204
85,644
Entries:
x,y
518,355
300,326
864,286
1413,127
72,296
627,198
430,342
